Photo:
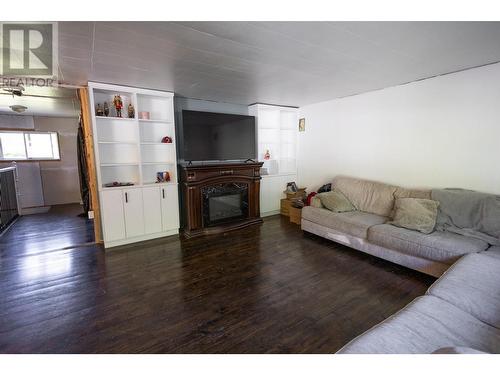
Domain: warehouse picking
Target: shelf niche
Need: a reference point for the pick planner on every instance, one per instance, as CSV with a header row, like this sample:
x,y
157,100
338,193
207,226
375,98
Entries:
x,y
277,129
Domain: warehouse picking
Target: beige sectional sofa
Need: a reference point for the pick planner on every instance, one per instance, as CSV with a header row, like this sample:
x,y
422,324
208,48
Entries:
x,y
366,229
460,313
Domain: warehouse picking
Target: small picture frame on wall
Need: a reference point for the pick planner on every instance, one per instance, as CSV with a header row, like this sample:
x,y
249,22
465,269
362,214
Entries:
x,y
302,125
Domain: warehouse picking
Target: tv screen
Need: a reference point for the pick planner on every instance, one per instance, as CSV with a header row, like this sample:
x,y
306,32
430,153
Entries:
x,y
211,136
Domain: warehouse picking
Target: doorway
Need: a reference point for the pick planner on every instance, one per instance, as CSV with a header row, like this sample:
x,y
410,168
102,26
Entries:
x,y
41,142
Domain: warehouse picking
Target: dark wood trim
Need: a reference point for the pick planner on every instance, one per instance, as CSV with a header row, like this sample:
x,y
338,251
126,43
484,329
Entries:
x,y
221,228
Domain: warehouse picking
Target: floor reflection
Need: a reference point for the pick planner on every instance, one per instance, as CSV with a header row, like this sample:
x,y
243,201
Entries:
x,y
59,228
45,265
267,289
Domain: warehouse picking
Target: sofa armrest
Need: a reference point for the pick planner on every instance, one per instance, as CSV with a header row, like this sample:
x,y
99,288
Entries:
x,y
316,202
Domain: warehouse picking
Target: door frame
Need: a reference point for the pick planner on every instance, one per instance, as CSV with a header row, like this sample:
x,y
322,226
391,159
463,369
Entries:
x,y
83,95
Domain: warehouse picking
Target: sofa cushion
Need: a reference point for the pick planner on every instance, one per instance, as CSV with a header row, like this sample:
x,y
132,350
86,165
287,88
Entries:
x,y
336,201
412,193
424,326
355,223
443,247
373,197
316,202
473,285
416,214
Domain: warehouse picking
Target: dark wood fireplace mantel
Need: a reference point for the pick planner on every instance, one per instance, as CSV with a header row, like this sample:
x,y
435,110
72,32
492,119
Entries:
x,y
199,180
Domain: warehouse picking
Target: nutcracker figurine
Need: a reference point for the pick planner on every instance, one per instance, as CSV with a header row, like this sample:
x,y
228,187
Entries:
x,y
106,109
118,103
131,111
98,110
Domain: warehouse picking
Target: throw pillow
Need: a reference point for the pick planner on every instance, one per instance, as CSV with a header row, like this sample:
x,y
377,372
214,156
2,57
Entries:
x,y
416,214
316,202
336,201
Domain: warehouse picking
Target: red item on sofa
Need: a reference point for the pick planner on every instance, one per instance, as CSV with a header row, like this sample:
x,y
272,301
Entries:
x,y
309,197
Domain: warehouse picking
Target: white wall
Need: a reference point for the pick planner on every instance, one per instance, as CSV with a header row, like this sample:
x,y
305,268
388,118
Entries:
x,y
60,179
30,182
441,132
49,182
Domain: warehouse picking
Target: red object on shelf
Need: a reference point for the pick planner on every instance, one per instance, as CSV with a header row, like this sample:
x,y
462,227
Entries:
x,y
166,139
163,177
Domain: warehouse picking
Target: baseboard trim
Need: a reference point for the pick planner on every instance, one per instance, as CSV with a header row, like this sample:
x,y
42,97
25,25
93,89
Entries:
x,y
128,241
34,210
269,213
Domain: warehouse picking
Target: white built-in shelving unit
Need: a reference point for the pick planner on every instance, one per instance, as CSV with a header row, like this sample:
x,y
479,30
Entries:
x,y
130,150
277,131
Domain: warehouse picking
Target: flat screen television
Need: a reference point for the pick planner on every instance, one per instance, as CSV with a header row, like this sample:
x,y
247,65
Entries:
x,y
208,136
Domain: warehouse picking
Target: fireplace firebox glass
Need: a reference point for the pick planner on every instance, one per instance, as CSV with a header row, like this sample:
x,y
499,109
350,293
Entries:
x,y
224,203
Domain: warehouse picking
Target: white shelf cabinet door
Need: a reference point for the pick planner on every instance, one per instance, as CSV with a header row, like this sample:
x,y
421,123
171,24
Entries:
x,y
152,209
170,207
271,193
112,215
134,212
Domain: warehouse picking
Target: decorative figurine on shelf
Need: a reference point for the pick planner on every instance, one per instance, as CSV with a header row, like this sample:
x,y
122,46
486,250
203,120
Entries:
x,y
118,103
267,155
131,111
162,177
106,109
98,110
166,139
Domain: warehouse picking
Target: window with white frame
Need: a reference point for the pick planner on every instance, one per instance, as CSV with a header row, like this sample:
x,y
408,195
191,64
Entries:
x,y
28,145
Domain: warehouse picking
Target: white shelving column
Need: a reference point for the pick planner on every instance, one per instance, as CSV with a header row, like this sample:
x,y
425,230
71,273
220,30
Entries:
x,y
155,155
277,131
130,150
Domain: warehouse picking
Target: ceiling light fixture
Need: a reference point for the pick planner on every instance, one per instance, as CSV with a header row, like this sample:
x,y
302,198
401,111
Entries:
x,y
18,108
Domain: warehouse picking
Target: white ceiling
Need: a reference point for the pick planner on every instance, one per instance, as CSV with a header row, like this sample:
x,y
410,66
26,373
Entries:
x,y
287,63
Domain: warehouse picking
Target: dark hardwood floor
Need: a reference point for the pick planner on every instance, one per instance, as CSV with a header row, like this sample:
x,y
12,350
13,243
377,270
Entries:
x,y
59,228
263,289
